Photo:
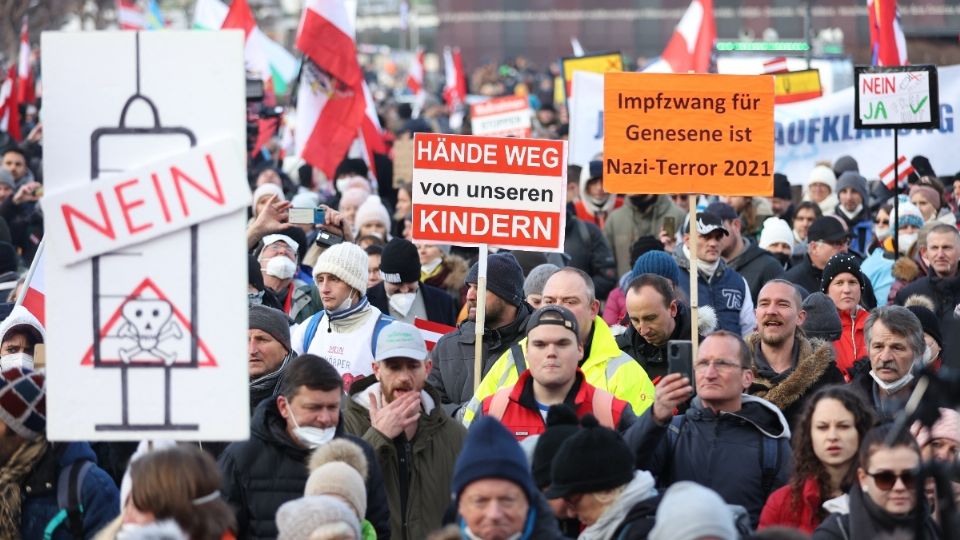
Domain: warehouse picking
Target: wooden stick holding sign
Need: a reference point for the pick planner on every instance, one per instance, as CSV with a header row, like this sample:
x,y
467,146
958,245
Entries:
x,y
481,314
694,275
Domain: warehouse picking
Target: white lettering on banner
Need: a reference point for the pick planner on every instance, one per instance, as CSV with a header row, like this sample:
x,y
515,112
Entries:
x,y
457,152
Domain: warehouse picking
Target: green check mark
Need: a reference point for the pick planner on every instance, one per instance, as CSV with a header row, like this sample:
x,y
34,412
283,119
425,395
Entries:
x,y
919,105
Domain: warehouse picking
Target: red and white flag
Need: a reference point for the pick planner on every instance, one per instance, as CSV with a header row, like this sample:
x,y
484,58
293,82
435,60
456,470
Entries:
x,y
692,43
240,16
888,46
371,132
330,100
776,65
455,89
415,74
33,295
432,331
130,15
25,87
904,169
10,105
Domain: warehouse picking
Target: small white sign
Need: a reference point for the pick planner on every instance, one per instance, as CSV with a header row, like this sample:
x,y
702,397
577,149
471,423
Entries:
x,y
586,118
501,117
895,97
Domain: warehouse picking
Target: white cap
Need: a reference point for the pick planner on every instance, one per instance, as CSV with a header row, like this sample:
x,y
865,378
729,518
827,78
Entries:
x,y
775,231
400,340
265,191
272,238
821,174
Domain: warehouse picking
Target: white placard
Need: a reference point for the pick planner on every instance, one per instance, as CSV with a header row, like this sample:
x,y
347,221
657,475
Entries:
x,y
586,118
144,341
899,96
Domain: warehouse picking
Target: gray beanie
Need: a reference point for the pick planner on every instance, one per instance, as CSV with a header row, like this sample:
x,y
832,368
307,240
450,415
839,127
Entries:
x,y
6,177
316,517
538,278
689,511
855,181
844,164
823,321
273,322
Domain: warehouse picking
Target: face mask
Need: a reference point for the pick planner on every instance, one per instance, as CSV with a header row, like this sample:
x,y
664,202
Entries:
x,y
342,184
402,302
281,267
642,202
927,356
891,388
882,233
17,360
345,305
431,266
255,299
782,257
312,437
906,242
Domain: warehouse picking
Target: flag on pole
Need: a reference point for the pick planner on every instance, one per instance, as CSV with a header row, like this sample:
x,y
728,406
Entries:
x,y
330,101
455,88
888,46
26,91
691,46
130,15
577,47
371,131
153,18
240,17
776,65
904,170
10,105
33,294
415,74
432,331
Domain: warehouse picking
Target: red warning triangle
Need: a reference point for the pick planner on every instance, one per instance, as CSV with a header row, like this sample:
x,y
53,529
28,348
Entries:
x,y
205,359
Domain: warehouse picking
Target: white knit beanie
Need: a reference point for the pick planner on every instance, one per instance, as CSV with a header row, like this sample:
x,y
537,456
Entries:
x,y
821,174
775,230
265,191
371,211
317,517
346,261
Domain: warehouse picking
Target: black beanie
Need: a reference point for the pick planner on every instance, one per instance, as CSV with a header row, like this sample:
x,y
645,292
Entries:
x,y
781,187
561,425
8,258
593,459
400,262
838,264
643,245
504,277
823,321
929,322
254,274
272,321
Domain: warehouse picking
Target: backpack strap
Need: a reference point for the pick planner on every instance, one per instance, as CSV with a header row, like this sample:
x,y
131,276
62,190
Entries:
x,y
769,462
673,430
69,499
499,402
518,360
382,321
603,408
311,330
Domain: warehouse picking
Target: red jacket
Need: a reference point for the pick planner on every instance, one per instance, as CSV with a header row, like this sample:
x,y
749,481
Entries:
x,y
851,346
522,416
781,512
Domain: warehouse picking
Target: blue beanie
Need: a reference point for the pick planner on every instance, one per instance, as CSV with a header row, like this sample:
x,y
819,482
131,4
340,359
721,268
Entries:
x,y
490,451
504,277
659,263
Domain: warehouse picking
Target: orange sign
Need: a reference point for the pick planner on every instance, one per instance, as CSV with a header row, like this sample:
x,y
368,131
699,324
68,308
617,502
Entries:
x,y
678,133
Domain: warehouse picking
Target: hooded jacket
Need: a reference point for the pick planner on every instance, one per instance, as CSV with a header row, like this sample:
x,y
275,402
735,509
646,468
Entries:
x,y
813,368
269,469
22,320
605,367
851,346
453,357
589,209
720,451
653,359
417,473
628,223
756,265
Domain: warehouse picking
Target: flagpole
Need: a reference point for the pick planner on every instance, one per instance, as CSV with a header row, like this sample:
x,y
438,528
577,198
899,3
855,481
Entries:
x,y
896,194
29,278
694,276
481,313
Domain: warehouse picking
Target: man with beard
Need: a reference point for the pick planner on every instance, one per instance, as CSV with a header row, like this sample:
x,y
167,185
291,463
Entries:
x,y
788,368
640,215
415,441
278,263
742,253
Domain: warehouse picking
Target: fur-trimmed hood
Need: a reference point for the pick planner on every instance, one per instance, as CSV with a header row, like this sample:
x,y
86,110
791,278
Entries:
x,y
457,272
815,357
906,269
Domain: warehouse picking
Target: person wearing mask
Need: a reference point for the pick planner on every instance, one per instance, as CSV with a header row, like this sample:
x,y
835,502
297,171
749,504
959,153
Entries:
x,y
605,492
845,284
883,267
595,204
402,295
807,212
827,438
441,269
641,215
854,209
278,263
741,252
268,469
778,240
20,333
821,189
883,500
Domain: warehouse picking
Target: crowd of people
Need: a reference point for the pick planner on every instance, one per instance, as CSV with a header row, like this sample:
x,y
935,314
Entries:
x,y
819,312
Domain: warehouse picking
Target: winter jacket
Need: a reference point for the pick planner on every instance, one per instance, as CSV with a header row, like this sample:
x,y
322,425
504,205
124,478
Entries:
x,y
805,274
905,271
726,292
522,415
866,521
721,451
756,265
615,308
596,213
604,366
25,222
99,497
653,359
343,338
878,268
781,511
630,515
269,469
268,386
417,473
439,305
851,346
453,358
589,251
813,368
628,223
302,301
945,293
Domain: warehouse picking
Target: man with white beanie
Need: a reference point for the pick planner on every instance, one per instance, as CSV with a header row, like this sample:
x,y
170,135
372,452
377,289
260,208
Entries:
x,y
821,189
345,331
279,261
777,238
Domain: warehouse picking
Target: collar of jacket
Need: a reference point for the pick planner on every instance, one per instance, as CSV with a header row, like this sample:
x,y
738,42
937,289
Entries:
x,y
522,392
755,411
602,345
681,330
353,311
512,330
271,379
812,358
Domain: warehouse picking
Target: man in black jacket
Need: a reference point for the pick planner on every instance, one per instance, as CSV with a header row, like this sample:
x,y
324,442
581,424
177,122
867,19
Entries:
x,y
401,295
756,265
269,469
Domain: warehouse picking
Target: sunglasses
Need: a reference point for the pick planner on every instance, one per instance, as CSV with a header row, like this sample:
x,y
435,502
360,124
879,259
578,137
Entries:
x,y
885,480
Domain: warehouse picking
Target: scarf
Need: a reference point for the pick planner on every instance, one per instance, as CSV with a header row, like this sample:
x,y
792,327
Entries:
x,y
11,475
708,269
640,488
868,521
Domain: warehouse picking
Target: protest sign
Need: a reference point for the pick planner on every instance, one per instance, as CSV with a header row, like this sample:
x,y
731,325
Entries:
x,y
793,86
501,117
144,336
896,97
593,63
505,192
823,129
586,118
684,133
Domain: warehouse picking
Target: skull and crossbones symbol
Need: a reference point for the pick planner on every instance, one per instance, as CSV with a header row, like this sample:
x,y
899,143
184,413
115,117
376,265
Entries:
x,y
148,322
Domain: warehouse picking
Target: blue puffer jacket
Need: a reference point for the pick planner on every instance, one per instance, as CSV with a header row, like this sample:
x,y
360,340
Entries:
x,y
99,496
721,451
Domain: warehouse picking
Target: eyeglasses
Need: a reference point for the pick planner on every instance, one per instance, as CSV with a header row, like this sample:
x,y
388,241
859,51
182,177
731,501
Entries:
x,y
885,480
719,365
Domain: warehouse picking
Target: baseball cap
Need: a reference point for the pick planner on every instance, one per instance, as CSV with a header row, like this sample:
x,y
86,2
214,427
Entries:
x,y
723,211
553,314
707,223
400,340
273,238
827,229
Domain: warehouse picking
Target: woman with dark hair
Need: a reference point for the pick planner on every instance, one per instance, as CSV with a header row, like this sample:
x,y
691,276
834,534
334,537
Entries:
x,y
883,501
827,436
180,483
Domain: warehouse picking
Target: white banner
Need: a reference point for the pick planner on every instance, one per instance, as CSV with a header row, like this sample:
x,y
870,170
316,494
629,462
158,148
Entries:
x,y
586,117
822,129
